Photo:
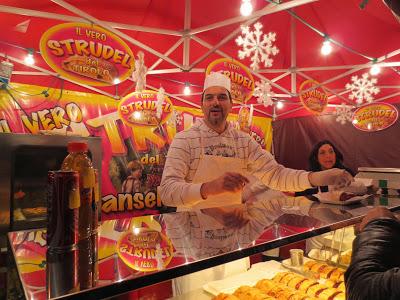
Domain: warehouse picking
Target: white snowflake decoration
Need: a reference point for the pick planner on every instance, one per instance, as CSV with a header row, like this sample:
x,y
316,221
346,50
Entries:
x,y
263,93
258,44
362,88
160,101
176,118
344,113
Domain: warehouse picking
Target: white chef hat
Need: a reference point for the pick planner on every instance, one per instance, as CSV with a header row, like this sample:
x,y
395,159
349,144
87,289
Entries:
x,y
217,79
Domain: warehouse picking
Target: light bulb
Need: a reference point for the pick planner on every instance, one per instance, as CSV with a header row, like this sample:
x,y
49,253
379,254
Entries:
x,y
375,70
355,121
137,115
369,126
29,60
246,8
186,90
116,80
326,48
279,105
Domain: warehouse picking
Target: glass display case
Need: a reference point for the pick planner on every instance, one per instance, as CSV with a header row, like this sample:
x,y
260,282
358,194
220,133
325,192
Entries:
x,y
142,251
25,160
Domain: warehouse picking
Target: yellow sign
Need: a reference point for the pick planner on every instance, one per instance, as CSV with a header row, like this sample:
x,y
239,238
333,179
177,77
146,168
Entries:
x,y
242,82
314,98
140,108
87,54
145,250
375,116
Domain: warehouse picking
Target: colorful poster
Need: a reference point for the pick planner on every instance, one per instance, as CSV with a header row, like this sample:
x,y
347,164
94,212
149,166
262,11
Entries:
x,y
87,53
375,116
133,153
242,82
313,97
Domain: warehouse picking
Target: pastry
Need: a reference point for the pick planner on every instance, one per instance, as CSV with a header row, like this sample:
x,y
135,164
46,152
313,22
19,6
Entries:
x,y
251,293
315,290
223,296
296,282
339,296
328,294
308,265
306,284
336,274
278,277
265,285
34,212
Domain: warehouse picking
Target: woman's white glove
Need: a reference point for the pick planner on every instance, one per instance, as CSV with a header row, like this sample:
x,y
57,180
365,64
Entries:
x,y
337,178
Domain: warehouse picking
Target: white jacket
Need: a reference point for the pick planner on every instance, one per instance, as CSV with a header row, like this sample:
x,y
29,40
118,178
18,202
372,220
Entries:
x,y
177,189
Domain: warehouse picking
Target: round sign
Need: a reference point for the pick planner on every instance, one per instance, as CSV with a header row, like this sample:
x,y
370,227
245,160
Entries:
x,y
145,250
375,116
242,82
314,98
140,108
87,54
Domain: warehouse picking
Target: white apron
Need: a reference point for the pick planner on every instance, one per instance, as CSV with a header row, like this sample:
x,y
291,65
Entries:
x,y
211,167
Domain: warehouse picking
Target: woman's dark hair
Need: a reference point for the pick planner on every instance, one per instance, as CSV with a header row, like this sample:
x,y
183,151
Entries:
x,y
313,158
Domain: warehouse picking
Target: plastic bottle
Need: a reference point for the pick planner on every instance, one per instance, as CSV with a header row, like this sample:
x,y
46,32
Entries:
x,y
78,160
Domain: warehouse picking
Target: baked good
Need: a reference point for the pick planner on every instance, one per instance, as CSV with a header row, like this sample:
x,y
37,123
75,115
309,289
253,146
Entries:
x,y
339,296
296,282
246,292
327,271
275,291
336,274
328,294
306,284
278,277
308,265
316,289
34,212
223,296
341,286
265,285
285,280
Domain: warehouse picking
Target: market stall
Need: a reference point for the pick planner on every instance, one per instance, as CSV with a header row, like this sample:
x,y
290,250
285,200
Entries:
x,y
126,78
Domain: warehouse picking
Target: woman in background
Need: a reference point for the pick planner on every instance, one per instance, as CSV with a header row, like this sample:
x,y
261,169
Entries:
x,y
324,156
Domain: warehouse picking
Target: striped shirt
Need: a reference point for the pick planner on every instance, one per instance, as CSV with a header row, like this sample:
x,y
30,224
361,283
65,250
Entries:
x,y
177,189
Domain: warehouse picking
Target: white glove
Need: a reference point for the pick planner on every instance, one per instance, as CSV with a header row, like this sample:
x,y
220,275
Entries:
x,y
337,178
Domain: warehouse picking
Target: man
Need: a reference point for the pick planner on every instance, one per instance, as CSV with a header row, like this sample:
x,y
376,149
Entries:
x,y
210,164
374,272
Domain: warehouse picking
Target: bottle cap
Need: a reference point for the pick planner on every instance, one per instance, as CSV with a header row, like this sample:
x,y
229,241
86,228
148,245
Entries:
x,y
77,147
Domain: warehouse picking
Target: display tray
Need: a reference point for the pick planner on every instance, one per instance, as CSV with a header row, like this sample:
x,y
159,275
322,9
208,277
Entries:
x,y
263,270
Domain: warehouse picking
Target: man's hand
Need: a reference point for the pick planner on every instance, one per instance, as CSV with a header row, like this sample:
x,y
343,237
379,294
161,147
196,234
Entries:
x,y
376,213
336,177
228,182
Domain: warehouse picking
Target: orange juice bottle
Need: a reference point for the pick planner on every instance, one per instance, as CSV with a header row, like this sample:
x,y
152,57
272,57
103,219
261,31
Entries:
x,y
78,160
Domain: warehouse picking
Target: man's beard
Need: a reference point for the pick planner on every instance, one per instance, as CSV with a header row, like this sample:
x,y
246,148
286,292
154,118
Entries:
x,y
215,121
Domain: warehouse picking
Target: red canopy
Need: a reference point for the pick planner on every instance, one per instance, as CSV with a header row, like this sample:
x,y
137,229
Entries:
x,y
188,35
